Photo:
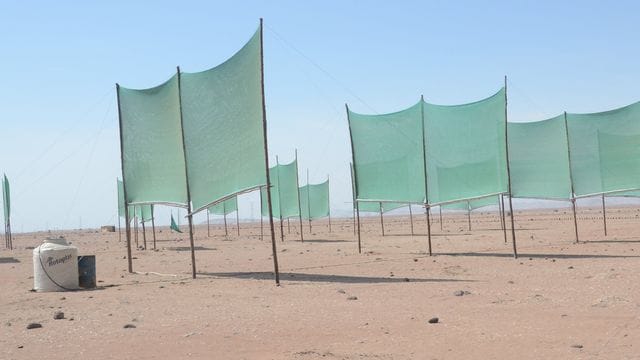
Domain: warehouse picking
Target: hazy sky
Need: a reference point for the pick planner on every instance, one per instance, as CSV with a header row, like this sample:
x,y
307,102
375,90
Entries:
x,y
61,59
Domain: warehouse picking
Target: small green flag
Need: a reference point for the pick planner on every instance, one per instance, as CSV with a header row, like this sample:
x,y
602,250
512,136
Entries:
x,y
174,226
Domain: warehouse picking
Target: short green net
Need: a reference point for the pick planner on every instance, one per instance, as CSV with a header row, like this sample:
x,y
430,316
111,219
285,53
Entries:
x,y
153,157
605,156
539,159
466,149
388,154
223,126
6,199
314,201
377,207
473,204
284,191
225,207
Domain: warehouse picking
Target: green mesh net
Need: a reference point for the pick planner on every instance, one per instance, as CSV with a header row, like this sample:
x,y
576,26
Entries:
x,y
466,149
314,201
6,199
472,204
539,159
377,207
225,207
388,154
284,191
605,155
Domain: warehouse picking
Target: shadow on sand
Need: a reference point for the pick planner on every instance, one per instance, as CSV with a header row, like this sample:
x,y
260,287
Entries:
x,y
326,278
8,260
540,256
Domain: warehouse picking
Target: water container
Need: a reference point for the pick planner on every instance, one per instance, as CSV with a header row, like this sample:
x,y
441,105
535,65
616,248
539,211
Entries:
x,y
55,266
87,271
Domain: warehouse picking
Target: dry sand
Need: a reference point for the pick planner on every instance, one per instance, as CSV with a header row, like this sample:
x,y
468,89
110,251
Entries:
x,y
559,300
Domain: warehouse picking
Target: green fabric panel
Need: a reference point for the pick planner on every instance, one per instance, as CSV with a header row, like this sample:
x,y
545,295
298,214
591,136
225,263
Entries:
x,y
174,226
367,206
605,150
153,158
223,126
287,183
275,195
314,201
625,194
388,154
539,159
6,199
120,198
225,207
145,212
466,149
472,204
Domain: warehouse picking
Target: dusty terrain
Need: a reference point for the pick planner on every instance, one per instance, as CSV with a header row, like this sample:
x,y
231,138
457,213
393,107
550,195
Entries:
x,y
558,300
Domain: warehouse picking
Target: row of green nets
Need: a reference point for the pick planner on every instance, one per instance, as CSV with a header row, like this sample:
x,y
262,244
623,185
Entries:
x,y
200,131
285,199
225,207
314,201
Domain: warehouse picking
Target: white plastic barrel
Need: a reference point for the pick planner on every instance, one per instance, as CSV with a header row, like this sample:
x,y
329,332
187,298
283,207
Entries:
x,y
55,266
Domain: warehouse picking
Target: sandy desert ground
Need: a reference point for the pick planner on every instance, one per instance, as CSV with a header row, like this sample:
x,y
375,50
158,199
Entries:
x,y
558,300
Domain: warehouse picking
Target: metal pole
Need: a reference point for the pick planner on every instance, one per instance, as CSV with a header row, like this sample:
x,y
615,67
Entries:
x,y
226,233
135,226
573,195
440,210
153,226
500,213
411,219
604,216
186,175
426,186
288,226
124,186
381,219
298,193
144,234
469,214
354,181
266,165
279,198
506,140
504,219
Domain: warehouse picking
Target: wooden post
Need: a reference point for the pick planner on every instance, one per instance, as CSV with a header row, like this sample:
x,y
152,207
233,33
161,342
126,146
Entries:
x,y
135,226
298,193
381,219
504,219
604,216
440,210
144,234
573,194
224,216
506,140
153,226
186,175
354,182
426,186
266,165
411,219
124,186
237,217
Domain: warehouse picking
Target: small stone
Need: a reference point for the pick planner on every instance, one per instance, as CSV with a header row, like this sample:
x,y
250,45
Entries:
x,y
577,346
407,279
458,293
570,267
415,260
71,319
58,315
63,298
161,287
341,291
129,326
34,326
20,346
352,298
433,320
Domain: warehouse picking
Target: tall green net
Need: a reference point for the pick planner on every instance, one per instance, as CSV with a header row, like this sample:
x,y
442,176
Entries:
x,y
284,191
223,126
388,154
539,159
153,157
605,155
314,201
466,149
225,207
143,212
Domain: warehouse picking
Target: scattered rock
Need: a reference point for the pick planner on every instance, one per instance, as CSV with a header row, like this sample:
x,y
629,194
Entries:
x,y
461,293
352,298
63,298
34,326
129,326
407,279
20,346
433,320
71,319
577,346
570,267
58,315
341,291
161,287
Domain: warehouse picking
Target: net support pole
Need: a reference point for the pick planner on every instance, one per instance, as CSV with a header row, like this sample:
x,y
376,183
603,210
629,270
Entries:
x,y
261,217
354,183
469,214
411,219
144,234
119,230
298,196
504,219
124,186
288,226
208,225
573,195
604,216
135,227
279,199
381,219
186,175
440,211
506,141
238,222
426,186
226,232
266,166
153,228
500,206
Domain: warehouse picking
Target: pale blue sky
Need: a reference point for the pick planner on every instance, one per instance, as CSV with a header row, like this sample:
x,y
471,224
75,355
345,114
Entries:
x,y
59,138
